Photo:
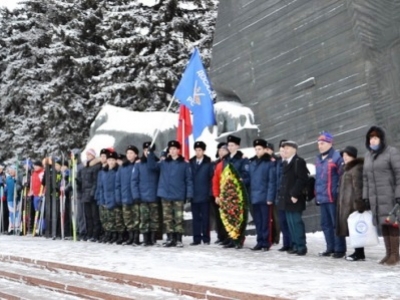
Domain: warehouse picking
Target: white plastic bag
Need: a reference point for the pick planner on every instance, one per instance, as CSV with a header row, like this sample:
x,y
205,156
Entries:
x,y
362,231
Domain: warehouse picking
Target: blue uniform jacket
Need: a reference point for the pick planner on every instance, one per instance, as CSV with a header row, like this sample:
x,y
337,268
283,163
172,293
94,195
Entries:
x,y
175,181
202,179
327,177
262,180
107,191
144,181
10,188
123,192
98,186
241,165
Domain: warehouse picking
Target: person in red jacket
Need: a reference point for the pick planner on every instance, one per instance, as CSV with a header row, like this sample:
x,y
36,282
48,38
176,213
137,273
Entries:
x,y
218,167
36,184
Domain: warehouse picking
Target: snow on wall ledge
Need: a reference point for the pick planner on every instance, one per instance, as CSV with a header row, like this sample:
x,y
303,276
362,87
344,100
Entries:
x,y
119,127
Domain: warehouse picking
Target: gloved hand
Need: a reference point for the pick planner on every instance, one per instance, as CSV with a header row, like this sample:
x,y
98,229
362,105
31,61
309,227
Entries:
x,y
398,201
188,200
367,205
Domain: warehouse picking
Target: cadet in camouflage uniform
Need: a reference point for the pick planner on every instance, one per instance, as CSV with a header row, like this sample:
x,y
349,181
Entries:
x,y
130,205
102,210
108,199
174,187
144,189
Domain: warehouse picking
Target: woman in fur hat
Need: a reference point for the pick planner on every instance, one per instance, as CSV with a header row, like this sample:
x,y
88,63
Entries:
x,y
381,187
350,195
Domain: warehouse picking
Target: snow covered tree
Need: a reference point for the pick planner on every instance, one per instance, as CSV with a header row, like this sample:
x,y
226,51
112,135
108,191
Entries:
x,y
148,48
43,92
61,60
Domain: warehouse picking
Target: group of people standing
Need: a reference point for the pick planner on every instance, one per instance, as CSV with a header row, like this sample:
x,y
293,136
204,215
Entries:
x,y
122,197
346,183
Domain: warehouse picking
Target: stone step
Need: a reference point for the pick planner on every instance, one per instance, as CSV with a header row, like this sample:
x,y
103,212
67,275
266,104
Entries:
x,y
77,284
178,290
11,290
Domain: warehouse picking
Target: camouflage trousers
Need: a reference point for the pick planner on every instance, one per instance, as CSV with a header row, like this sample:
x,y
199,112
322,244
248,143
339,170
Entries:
x,y
173,216
103,216
107,218
149,217
131,215
119,219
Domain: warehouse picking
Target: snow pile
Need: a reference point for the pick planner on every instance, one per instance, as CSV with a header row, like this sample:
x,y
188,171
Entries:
x,y
119,127
271,273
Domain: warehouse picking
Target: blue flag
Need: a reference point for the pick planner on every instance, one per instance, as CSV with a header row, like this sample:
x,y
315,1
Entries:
x,y
194,92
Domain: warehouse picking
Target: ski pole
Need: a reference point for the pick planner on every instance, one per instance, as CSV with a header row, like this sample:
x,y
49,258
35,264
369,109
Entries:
x,y
38,209
73,198
1,210
24,197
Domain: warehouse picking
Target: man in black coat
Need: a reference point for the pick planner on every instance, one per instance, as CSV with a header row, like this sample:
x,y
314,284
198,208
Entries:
x,y
87,183
202,172
294,180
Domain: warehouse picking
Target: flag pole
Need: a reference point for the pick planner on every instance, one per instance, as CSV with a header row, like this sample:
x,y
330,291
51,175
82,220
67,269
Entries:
x,y
158,128
183,139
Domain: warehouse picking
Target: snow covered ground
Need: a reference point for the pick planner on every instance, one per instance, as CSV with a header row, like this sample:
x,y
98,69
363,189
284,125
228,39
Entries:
x,y
271,273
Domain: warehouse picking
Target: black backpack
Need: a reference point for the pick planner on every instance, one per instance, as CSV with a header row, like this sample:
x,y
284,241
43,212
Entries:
x,y
309,190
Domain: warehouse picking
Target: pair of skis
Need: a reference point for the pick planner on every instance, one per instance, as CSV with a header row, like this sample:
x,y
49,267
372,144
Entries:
x,y
26,214
39,215
51,193
1,209
72,178
62,201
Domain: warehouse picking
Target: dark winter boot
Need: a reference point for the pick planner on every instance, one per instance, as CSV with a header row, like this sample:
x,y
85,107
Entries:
x,y
146,239
129,241
357,255
386,239
226,242
171,240
136,238
394,246
120,238
231,244
153,238
114,238
106,237
179,243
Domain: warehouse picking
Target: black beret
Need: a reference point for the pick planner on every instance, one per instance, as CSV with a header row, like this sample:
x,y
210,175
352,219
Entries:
x,y
112,154
175,144
234,139
270,146
146,145
104,151
220,145
350,150
260,142
133,148
200,144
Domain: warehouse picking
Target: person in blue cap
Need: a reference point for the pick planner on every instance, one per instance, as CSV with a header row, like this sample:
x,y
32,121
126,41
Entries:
x,y
328,170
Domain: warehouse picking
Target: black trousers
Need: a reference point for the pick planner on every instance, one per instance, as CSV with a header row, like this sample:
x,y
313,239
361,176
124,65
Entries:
x,y
5,216
219,227
92,219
